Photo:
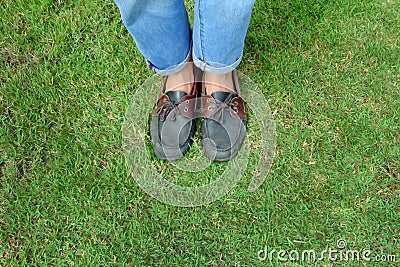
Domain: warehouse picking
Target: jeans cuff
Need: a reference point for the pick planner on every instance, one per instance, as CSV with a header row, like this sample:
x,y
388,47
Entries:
x,y
174,69
214,67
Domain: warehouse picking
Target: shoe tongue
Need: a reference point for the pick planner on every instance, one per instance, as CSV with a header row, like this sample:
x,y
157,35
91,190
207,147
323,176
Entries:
x,y
175,96
220,96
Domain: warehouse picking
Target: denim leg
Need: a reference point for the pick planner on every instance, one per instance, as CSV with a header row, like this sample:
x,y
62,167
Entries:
x,y
161,31
220,28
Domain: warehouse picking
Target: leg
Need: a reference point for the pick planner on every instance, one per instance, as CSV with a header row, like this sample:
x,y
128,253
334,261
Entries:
x,y
161,31
220,28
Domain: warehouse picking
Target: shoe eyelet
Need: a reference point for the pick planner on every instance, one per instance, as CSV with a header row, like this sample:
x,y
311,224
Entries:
x,y
209,108
208,100
186,110
235,103
187,101
165,100
235,111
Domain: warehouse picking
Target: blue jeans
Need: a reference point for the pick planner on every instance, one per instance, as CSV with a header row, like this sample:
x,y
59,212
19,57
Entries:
x,y
163,35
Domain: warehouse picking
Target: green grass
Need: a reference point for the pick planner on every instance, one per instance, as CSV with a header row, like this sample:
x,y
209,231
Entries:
x,y
330,71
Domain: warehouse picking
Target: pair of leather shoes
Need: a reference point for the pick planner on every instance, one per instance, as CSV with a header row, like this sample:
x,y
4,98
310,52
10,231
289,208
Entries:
x,y
223,129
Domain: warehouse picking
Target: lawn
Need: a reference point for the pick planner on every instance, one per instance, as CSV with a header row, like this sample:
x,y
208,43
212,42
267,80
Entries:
x,y
330,72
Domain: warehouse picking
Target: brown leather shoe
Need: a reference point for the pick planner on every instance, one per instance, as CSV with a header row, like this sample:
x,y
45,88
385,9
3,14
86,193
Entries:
x,y
173,123
224,125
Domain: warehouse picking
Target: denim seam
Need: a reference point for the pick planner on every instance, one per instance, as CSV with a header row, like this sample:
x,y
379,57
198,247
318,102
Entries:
x,y
201,31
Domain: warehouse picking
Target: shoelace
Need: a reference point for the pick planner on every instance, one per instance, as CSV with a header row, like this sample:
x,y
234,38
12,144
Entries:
x,y
166,108
220,106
